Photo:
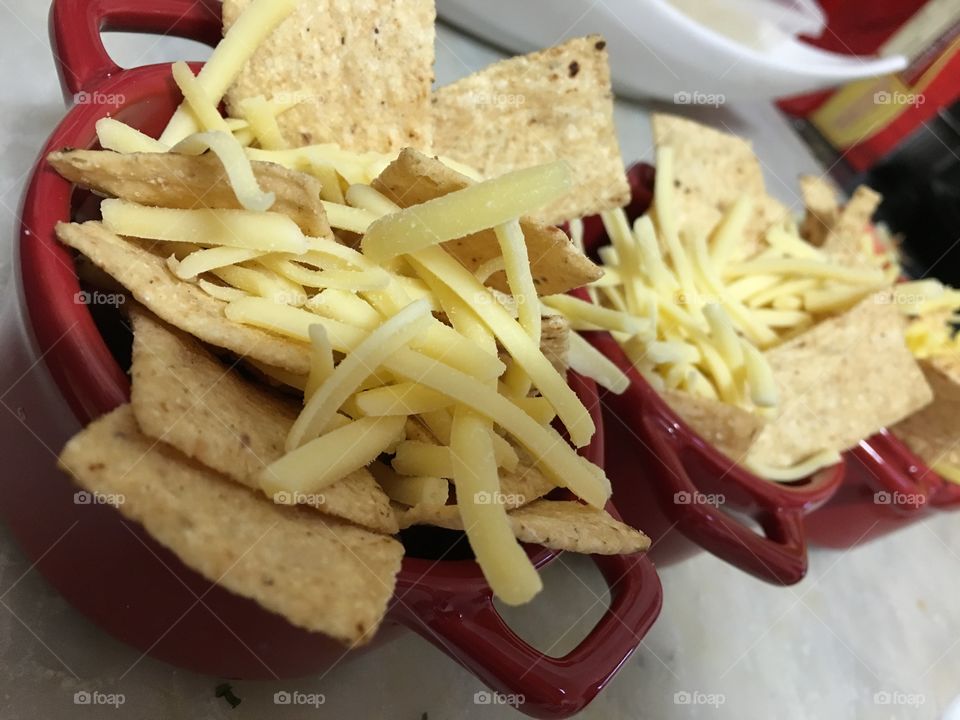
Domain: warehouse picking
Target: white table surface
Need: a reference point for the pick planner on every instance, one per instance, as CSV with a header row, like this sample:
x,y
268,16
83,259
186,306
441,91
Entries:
x,y
883,618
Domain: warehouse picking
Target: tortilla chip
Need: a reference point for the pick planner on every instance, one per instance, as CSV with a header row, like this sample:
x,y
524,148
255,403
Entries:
x,y
557,265
180,303
183,396
525,484
362,70
559,525
711,170
834,383
188,181
845,240
933,433
318,573
555,104
729,428
555,341
823,209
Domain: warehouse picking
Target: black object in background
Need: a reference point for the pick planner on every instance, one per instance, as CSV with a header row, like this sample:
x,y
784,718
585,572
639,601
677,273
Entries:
x,y
920,183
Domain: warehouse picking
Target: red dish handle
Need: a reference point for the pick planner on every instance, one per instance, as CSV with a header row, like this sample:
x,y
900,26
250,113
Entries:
x,y
75,27
469,629
780,554
893,470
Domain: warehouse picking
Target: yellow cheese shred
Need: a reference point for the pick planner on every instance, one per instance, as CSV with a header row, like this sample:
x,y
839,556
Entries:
x,y
369,355
227,60
503,561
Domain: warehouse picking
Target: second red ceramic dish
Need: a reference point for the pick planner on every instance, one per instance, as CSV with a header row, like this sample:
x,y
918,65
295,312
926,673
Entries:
x,y
683,492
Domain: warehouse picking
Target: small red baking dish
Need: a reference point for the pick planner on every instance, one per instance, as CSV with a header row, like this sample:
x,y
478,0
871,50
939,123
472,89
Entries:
x,y
61,374
669,481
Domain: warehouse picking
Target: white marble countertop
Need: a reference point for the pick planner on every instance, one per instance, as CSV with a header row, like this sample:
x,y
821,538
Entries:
x,y
881,619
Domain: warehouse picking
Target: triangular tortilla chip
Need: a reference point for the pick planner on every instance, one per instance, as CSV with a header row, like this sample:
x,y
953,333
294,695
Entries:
x,y
711,170
524,484
183,396
180,303
320,574
555,341
845,240
933,433
555,104
362,71
187,181
843,380
729,428
823,208
557,265
559,525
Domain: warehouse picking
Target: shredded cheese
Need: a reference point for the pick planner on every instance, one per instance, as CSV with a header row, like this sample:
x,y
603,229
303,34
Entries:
x,y
265,231
478,207
228,58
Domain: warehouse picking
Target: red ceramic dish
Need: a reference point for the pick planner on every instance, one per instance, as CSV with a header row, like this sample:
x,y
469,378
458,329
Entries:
x,y
677,500
115,573
887,487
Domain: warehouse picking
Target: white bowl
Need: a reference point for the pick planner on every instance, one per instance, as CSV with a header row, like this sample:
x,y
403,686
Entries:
x,y
658,51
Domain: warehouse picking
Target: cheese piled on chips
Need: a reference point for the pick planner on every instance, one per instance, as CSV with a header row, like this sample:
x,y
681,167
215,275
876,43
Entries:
x,y
399,313
762,341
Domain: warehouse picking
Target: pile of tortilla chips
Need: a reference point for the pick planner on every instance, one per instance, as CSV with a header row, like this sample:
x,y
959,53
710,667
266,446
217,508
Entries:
x,y
327,99
812,305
